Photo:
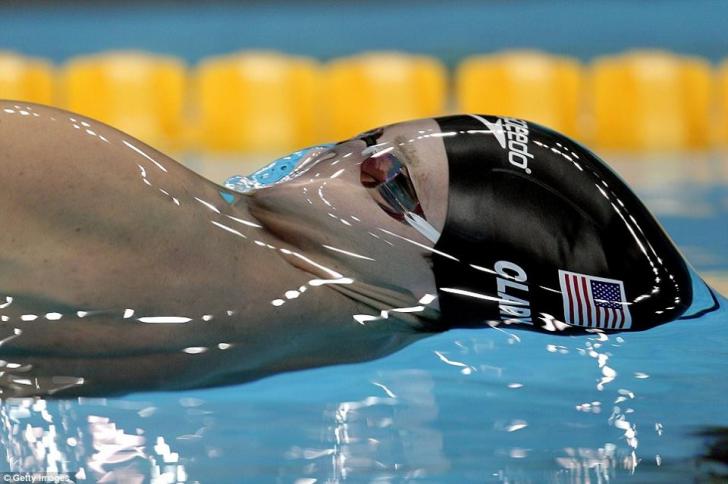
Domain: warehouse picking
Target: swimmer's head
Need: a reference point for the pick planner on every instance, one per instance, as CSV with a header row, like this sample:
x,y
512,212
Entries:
x,y
489,220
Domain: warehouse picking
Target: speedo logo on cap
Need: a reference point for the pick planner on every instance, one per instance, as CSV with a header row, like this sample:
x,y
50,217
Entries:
x,y
512,135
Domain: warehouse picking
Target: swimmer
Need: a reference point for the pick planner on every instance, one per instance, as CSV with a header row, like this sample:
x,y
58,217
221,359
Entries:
x,y
121,270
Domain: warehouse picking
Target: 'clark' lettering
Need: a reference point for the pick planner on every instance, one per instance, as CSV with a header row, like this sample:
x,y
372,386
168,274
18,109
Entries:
x,y
514,306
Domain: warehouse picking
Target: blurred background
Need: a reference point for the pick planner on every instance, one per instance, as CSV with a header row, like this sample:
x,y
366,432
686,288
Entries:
x,y
269,77
226,86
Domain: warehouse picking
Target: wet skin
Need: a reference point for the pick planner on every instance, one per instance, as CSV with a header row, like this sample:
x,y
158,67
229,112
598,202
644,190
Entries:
x,y
121,270
291,276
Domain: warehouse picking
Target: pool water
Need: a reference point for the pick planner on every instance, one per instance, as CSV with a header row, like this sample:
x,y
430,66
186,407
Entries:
x,y
461,406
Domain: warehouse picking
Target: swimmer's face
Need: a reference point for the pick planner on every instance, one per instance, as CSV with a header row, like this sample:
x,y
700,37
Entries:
x,y
370,207
530,213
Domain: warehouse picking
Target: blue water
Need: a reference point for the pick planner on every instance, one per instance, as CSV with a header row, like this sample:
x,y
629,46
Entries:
x,y
501,407
462,406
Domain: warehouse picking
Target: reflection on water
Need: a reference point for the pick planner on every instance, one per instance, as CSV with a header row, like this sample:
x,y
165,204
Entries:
x,y
74,438
714,459
462,406
391,433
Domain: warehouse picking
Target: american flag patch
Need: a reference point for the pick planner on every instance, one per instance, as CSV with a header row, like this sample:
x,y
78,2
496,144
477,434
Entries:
x,y
594,302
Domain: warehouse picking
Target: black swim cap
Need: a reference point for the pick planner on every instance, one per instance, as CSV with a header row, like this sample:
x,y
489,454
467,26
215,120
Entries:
x,y
540,231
